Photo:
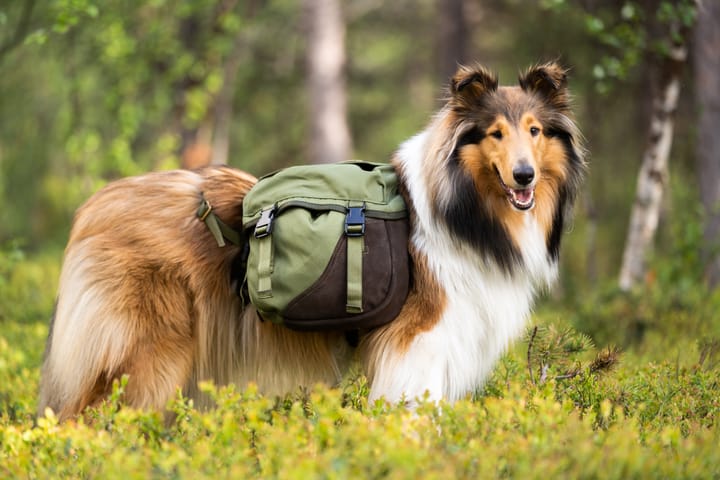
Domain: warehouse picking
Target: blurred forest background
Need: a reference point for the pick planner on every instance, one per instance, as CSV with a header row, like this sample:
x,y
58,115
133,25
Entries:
x,y
93,91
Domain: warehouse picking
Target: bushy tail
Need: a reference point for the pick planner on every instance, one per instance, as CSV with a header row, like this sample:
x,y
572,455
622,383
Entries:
x,y
142,280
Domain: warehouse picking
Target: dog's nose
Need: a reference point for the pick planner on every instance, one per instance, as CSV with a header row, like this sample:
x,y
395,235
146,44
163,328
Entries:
x,y
524,173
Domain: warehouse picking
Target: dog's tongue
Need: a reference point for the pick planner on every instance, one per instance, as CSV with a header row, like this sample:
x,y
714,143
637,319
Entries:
x,y
524,195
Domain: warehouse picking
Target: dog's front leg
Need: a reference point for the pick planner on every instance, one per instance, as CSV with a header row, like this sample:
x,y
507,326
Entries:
x,y
409,373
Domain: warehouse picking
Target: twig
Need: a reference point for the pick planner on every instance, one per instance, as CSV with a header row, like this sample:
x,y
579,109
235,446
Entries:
x,y
569,375
529,354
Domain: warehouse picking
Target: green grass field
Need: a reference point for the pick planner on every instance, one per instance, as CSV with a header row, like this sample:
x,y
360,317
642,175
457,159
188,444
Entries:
x,y
652,412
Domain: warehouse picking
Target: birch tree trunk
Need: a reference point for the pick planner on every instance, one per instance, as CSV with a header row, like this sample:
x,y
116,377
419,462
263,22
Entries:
x,y
707,87
652,178
329,133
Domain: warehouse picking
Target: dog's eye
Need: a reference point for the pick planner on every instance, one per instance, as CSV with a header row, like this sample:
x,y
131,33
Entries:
x,y
496,134
534,131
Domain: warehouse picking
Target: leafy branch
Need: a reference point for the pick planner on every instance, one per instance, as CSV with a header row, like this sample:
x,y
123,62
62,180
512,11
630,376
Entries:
x,y
631,33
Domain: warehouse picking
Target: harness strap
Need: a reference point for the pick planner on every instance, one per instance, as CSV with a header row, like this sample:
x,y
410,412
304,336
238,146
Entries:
x,y
265,266
355,233
219,229
355,247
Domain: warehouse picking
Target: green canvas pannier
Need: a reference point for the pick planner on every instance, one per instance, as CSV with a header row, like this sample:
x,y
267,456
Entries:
x,y
328,246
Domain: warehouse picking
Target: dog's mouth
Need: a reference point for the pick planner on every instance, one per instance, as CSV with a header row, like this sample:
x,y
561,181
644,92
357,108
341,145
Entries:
x,y
520,198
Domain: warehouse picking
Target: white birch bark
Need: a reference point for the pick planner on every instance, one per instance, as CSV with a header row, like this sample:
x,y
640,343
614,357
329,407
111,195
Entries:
x,y
652,178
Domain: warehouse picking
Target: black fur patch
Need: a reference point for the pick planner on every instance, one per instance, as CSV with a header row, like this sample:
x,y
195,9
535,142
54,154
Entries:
x,y
468,218
471,137
555,235
566,192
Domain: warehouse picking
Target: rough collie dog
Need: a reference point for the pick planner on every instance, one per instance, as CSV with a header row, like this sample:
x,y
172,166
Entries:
x,y
145,290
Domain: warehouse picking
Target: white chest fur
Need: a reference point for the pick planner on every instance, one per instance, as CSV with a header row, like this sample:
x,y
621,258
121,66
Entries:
x,y
485,309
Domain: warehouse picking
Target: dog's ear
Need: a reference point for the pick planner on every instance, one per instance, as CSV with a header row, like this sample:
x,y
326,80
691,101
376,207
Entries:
x,y
470,84
549,81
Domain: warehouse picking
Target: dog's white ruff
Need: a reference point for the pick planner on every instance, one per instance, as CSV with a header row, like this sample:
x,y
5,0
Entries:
x,y
485,309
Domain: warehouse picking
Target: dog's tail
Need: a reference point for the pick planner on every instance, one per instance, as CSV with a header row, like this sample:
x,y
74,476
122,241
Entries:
x,y
144,290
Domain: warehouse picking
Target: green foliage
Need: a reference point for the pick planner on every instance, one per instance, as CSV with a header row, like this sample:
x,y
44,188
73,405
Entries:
x,y
630,32
642,419
115,93
674,300
27,289
116,90
549,347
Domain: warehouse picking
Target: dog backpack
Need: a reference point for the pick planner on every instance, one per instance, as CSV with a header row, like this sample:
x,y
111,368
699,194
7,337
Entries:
x,y
328,246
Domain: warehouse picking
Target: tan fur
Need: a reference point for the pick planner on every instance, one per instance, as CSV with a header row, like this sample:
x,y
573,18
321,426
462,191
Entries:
x,y
470,86
145,291
545,155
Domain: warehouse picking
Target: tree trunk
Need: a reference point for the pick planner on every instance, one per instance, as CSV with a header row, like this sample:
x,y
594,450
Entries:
x,y
325,28
707,87
453,37
21,30
224,105
652,177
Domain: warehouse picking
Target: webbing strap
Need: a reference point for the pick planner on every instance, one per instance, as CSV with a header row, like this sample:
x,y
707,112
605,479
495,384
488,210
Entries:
x,y
219,229
355,247
355,234
212,224
265,266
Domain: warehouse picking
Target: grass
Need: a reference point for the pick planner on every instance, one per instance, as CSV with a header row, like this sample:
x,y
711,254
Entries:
x,y
651,414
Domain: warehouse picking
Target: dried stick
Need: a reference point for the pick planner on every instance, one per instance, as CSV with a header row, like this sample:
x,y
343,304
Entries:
x,y
529,354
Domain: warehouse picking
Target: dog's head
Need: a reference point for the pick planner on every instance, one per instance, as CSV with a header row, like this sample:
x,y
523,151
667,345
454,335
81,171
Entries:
x,y
518,143
499,154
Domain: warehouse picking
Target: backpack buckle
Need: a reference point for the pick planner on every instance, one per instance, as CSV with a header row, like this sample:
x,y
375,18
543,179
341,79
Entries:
x,y
355,222
263,227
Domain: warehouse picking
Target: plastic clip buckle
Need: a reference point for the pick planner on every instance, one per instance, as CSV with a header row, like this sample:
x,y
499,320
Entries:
x,y
263,228
204,210
355,222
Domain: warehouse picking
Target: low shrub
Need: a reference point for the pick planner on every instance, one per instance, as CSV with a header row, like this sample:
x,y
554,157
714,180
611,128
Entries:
x,y
556,406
